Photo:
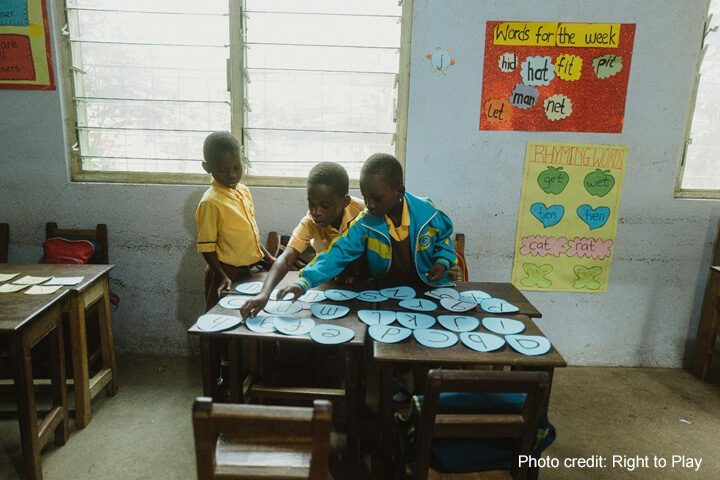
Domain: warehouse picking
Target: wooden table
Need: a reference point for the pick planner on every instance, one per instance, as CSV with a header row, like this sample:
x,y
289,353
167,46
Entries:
x,y
409,351
25,320
93,289
352,354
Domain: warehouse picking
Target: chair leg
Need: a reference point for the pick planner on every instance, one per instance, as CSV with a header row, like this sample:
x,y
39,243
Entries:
x,y
107,341
81,370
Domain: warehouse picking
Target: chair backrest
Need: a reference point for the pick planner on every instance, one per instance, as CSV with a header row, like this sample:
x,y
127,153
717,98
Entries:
x,y
265,423
520,427
99,235
4,241
459,273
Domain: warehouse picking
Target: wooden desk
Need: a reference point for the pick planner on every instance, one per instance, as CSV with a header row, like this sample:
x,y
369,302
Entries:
x,y
707,332
93,289
409,351
25,320
352,353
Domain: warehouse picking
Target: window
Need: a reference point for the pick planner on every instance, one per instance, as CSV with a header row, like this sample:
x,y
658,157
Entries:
x,y
699,173
297,82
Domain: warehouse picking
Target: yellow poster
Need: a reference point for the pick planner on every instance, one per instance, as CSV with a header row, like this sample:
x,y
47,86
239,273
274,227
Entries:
x,y
568,216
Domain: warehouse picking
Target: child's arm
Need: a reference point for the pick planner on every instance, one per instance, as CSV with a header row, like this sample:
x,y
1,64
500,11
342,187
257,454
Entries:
x,y
212,259
444,255
283,264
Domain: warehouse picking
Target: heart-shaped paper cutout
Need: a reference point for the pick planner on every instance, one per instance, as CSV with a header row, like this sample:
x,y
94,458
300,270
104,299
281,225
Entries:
x,y
337,295
457,305
260,324
371,296
594,217
530,345
435,338
481,342
282,307
473,296
249,288
398,293
418,304
331,334
376,317
503,326
233,302
211,322
548,216
440,293
413,320
328,312
388,334
458,323
312,296
498,305
293,326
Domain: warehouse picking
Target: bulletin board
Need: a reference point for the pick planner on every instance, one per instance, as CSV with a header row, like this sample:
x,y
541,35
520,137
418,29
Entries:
x,y
555,76
25,58
568,216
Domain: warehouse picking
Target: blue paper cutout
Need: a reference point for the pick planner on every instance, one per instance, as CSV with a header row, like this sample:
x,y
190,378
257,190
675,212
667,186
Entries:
x,y
328,312
388,334
503,326
293,326
233,302
413,320
282,307
260,324
435,338
595,218
498,305
371,296
398,293
331,334
481,342
458,323
548,216
456,305
14,13
274,294
440,293
473,296
312,296
376,317
418,304
530,345
337,295
211,322
249,288
524,96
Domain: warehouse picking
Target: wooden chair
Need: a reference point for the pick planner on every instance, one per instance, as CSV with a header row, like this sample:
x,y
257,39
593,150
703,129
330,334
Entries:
x,y
706,339
99,235
520,427
238,441
276,244
459,273
4,241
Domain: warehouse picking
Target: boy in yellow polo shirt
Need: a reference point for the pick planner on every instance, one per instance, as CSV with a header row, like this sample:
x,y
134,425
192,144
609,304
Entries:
x,y
228,236
330,211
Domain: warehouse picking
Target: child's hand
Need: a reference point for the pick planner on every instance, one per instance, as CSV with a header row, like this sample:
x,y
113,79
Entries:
x,y
295,290
225,285
436,272
253,306
346,277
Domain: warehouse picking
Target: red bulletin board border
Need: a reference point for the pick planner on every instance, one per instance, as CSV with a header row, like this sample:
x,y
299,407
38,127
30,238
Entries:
x,y
597,105
48,54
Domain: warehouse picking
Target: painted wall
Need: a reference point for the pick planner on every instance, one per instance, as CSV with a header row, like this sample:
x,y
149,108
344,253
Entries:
x,y
647,317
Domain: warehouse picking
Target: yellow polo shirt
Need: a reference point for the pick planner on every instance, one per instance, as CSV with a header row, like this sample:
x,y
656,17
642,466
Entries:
x,y
226,225
400,232
308,233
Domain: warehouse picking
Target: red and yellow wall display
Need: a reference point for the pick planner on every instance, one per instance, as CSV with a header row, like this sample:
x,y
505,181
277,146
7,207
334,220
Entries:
x,y
554,76
25,59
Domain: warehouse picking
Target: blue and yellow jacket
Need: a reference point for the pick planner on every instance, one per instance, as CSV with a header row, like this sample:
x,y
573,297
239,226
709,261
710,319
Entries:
x,y
430,231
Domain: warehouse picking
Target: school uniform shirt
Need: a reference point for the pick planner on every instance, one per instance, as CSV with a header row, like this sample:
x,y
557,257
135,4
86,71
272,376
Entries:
x,y
226,225
308,233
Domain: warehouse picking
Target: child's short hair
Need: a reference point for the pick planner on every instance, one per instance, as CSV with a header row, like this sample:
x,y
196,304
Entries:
x,y
219,144
385,165
329,173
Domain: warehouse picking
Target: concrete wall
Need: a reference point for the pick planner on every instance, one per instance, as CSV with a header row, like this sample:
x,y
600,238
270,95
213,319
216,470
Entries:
x,y
648,315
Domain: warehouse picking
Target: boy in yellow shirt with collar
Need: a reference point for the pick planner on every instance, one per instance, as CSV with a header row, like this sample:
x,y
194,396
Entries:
x,y
330,211
228,236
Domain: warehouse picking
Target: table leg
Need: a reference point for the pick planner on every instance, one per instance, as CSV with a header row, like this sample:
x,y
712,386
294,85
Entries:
x,y
107,341
550,371
81,371
27,415
209,366
352,404
386,419
57,377
235,363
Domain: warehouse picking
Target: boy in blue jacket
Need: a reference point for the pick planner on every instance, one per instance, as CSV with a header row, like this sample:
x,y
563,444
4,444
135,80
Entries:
x,y
404,237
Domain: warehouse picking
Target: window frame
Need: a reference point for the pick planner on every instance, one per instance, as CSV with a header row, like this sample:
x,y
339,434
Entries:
x,y
694,193
236,64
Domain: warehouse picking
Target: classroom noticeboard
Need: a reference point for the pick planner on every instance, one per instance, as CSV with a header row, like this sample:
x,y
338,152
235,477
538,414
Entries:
x,y
568,216
551,76
25,59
